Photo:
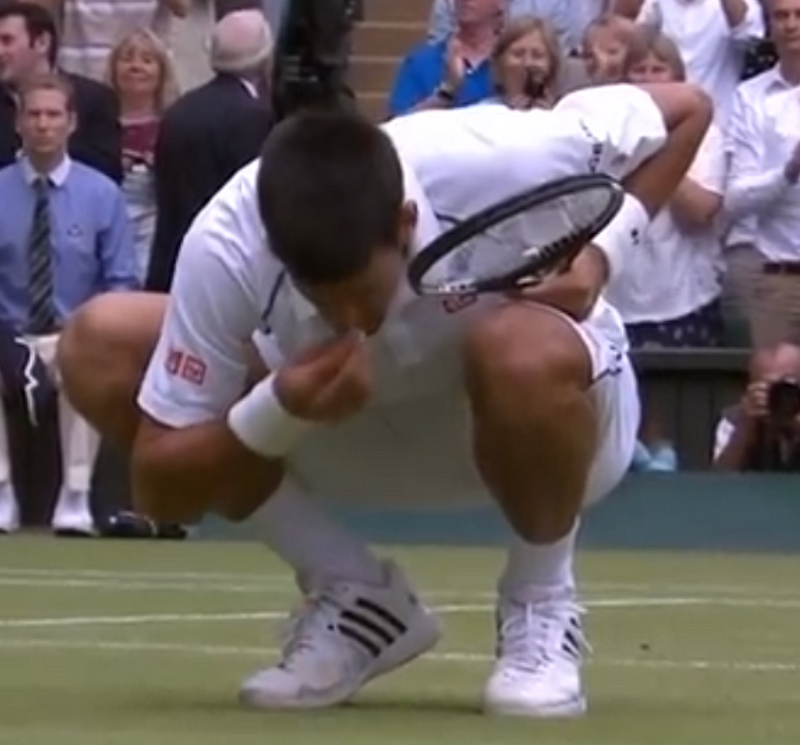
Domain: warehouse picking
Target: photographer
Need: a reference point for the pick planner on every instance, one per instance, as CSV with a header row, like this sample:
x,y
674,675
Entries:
x,y
762,433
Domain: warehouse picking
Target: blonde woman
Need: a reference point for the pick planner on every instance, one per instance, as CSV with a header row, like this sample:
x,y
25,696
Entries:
x,y
140,71
526,62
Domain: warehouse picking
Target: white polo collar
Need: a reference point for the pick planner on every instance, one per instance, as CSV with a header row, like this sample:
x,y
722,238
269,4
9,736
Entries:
x,y
56,177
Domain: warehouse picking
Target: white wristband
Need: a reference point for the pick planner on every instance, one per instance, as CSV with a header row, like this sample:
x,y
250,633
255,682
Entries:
x,y
623,235
261,423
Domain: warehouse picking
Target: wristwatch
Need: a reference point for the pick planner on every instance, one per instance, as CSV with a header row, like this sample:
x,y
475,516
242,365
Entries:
x,y
445,93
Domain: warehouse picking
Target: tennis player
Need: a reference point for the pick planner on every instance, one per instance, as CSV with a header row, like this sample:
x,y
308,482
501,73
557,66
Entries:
x,y
298,361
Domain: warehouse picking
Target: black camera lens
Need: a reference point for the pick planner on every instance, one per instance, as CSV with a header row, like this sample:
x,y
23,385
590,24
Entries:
x,y
783,399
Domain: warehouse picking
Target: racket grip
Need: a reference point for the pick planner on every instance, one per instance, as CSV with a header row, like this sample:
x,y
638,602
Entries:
x,y
623,234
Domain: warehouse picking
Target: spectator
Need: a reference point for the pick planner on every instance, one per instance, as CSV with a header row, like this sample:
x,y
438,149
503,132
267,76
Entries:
x,y
526,63
28,47
455,71
713,37
91,28
669,293
605,44
764,147
444,17
568,18
762,433
65,238
141,73
209,133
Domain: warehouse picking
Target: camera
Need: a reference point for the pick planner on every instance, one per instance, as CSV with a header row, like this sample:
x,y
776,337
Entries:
x,y
783,400
534,85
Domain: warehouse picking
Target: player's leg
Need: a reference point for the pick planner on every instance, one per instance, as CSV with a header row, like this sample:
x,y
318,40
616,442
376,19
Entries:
x,y
555,415
102,355
360,618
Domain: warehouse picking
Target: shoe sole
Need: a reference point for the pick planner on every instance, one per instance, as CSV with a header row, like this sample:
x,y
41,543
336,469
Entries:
x,y
572,709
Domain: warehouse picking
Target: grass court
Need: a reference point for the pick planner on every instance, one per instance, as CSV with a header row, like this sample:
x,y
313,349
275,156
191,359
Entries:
x,y
131,643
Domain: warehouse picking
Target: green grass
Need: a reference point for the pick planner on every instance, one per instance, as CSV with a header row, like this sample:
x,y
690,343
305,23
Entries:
x,y
689,650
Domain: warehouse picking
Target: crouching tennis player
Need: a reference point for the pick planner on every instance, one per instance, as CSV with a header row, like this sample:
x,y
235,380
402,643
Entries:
x,y
293,359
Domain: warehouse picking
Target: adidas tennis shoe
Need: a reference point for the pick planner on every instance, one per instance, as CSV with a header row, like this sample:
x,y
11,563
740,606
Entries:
x,y
346,634
540,649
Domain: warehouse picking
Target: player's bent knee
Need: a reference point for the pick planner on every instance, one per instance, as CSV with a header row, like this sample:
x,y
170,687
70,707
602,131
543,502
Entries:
x,y
103,349
523,349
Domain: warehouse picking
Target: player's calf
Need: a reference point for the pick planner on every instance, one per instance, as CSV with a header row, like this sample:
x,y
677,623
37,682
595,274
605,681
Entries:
x,y
528,375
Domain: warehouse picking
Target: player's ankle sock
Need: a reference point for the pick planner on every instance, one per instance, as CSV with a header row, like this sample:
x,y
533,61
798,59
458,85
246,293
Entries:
x,y
534,571
308,540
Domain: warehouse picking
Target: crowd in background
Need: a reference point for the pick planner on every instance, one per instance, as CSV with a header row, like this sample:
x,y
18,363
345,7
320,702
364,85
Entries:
x,y
104,162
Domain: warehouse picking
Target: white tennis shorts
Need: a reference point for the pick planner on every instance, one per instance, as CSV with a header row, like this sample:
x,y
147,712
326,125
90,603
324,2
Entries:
x,y
416,451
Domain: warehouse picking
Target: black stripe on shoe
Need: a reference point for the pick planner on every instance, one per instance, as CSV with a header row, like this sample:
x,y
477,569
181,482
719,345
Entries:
x,y
383,614
370,625
354,635
359,619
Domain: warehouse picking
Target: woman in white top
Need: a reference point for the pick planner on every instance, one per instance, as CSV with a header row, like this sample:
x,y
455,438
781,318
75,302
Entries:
x,y
669,295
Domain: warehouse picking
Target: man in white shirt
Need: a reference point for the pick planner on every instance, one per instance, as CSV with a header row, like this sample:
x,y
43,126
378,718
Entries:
x,y
713,36
764,147
374,389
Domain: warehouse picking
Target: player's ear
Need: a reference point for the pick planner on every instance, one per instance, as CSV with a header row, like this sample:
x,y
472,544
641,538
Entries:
x,y
408,223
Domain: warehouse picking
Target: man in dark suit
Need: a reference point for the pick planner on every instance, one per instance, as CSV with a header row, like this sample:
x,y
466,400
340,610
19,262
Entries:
x,y
29,46
210,133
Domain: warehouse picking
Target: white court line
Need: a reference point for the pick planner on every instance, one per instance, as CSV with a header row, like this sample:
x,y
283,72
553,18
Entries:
x,y
447,657
281,584
159,618
263,581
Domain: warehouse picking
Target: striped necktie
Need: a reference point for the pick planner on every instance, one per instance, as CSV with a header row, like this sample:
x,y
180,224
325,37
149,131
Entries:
x,y
42,317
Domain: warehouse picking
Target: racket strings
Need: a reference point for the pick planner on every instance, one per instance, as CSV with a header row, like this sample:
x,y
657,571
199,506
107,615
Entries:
x,y
542,232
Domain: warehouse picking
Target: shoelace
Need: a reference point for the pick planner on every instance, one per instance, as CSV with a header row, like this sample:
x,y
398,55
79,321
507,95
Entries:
x,y
532,634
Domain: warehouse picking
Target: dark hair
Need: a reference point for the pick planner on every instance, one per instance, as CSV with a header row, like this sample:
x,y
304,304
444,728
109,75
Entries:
x,y
38,22
330,191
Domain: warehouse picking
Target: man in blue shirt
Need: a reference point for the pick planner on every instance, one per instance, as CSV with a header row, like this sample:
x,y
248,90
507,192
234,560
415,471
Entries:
x,y
455,71
64,238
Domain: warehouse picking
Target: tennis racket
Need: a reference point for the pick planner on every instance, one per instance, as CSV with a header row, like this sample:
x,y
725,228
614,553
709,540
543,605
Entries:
x,y
519,241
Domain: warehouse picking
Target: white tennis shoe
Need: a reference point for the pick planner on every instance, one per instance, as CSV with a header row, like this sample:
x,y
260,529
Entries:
x,y
540,649
345,635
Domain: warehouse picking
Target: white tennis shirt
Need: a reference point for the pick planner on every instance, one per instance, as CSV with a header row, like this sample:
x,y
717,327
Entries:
x,y
455,162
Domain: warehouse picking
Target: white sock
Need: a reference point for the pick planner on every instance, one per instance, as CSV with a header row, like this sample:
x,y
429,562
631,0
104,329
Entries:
x,y
539,571
318,549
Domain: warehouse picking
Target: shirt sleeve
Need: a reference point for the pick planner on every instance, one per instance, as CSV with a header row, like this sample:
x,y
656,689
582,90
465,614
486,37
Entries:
x,y
709,169
623,120
722,436
751,185
199,365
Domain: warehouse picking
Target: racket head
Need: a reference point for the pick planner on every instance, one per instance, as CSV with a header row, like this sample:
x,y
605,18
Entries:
x,y
518,241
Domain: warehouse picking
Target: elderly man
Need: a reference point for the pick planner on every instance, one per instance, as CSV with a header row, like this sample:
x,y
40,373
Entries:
x,y
211,132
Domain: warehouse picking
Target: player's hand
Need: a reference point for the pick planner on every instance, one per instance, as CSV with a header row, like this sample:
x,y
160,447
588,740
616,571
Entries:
x,y
327,383
573,291
455,68
754,401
